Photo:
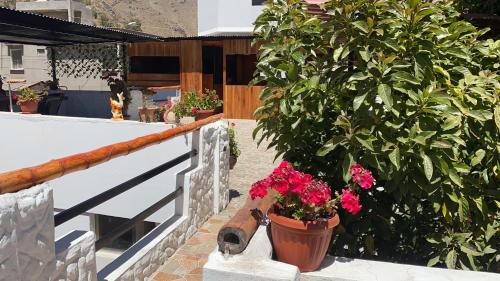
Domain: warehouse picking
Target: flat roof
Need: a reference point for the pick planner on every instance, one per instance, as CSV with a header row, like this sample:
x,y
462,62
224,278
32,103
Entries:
x,y
27,28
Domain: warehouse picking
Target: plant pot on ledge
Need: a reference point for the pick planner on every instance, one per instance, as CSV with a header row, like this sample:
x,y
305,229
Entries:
x,y
232,161
301,243
204,114
29,107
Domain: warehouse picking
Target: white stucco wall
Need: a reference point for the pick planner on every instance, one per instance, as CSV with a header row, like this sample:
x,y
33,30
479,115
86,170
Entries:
x,y
226,17
44,138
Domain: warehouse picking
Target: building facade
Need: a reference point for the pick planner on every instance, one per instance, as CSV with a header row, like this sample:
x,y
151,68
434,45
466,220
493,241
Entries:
x,y
227,17
31,63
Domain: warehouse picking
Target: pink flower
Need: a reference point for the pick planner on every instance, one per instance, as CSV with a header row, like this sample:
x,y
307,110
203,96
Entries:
x,y
281,185
14,97
350,201
298,181
356,169
366,180
283,169
259,189
194,110
316,193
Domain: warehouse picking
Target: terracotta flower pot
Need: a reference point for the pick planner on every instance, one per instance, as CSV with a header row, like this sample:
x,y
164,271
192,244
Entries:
x,y
301,243
29,107
203,114
232,161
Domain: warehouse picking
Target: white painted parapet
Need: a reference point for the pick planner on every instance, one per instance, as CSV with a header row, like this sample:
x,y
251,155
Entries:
x,y
256,264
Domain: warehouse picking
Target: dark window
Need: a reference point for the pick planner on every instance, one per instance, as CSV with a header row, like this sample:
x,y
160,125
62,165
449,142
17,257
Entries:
x,y
107,224
258,2
212,62
163,65
240,69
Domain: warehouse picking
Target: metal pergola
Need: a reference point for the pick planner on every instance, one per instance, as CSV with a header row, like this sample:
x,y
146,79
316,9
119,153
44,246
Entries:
x,y
19,27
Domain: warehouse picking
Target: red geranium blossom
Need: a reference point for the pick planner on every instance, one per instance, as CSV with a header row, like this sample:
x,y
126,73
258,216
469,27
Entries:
x,y
259,189
362,176
350,201
194,110
316,193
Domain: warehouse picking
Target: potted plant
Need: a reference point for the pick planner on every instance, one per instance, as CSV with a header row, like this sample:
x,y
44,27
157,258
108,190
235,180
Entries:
x,y
206,104
28,100
304,215
234,150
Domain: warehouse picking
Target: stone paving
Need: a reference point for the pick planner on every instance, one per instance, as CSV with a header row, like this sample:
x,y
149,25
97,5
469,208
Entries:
x,y
253,164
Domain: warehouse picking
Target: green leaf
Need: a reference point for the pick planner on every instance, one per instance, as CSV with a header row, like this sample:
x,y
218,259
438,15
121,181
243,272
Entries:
x,y
451,259
358,76
384,92
441,144
433,261
414,3
299,57
497,116
470,251
478,157
361,25
406,77
330,145
348,161
337,53
365,143
455,177
428,168
395,158
314,82
358,101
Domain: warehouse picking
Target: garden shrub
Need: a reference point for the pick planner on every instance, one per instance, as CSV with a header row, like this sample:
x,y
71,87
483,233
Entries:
x,y
406,89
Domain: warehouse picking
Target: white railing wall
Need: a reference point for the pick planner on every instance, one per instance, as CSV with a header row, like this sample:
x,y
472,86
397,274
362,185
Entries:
x,y
29,251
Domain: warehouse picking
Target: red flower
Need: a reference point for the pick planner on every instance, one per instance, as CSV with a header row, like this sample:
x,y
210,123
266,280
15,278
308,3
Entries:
x,y
233,124
356,169
194,110
298,181
283,169
281,185
362,176
14,97
366,181
259,189
350,201
316,193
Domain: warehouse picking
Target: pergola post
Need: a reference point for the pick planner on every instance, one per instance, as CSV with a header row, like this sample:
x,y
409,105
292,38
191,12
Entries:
x,y
53,65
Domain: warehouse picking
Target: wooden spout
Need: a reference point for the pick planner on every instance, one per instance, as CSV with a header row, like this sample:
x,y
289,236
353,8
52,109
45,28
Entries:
x,y
234,237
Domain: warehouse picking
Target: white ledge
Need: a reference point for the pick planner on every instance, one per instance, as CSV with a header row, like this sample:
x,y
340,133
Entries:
x,y
255,264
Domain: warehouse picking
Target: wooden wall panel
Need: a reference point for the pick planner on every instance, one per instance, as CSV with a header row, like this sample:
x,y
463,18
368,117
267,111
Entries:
x,y
152,79
191,63
239,47
154,49
240,102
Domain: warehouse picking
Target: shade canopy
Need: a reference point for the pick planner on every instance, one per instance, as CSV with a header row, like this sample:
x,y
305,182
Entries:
x,y
32,29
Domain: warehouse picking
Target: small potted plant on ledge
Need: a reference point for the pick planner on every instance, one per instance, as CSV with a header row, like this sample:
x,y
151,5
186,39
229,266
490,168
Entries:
x,y
206,104
28,100
305,214
234,150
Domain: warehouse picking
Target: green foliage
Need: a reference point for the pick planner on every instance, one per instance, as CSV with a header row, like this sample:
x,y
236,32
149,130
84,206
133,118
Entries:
x,y
28,94
192,101
234,149
408,90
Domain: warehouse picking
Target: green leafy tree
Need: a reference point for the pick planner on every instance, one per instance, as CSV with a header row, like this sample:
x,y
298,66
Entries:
x,y
402,87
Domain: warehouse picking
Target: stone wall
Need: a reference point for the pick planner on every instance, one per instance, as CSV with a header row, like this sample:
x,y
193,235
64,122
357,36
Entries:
x,y
75,257
27,234
153,250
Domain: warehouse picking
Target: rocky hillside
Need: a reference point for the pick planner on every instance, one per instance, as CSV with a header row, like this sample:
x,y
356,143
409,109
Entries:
x,y
160,17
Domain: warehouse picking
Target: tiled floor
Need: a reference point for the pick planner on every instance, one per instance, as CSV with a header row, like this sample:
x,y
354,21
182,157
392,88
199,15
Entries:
x,y
253,164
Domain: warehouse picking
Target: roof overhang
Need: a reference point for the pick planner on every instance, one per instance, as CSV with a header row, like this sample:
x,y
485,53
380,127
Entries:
x,y
27,28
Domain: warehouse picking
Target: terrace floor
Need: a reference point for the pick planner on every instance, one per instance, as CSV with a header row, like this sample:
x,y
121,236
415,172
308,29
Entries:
x,y
253,164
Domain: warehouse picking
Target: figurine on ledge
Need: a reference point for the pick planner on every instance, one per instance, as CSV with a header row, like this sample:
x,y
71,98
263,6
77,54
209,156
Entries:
x,y
117,107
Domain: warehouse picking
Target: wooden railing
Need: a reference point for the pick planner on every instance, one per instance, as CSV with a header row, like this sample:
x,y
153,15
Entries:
x,y
17,180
